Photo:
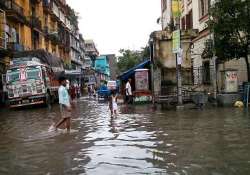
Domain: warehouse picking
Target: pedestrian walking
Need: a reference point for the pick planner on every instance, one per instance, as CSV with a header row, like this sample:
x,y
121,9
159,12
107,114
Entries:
x,y
72,91
90,90
113,103
129,96
65,105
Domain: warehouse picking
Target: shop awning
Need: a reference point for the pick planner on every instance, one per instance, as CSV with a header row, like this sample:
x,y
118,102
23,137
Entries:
x,y
124,76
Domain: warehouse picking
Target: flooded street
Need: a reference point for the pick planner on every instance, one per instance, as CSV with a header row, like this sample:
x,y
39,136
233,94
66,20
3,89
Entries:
x,y
139,141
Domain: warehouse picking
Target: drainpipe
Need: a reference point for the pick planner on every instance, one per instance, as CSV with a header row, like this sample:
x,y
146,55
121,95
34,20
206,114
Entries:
x,y
151,48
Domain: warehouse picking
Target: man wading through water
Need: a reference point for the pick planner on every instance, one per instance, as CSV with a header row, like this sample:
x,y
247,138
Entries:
x,y
65,106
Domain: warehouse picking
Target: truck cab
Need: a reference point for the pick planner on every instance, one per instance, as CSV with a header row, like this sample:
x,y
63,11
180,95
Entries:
x,y
29,83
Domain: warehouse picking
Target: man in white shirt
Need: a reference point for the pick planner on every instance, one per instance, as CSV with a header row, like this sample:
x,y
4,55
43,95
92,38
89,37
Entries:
x,y
129,95
65,106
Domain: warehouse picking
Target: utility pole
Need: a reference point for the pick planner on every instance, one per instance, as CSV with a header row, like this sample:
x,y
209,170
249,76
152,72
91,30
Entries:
x,y
214,58
178,70
177,50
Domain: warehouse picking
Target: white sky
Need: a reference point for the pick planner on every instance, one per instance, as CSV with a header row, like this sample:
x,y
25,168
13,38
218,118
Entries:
x,y
116,24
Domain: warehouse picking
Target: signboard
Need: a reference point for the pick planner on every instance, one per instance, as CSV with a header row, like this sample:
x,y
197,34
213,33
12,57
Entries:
x,y
176,41
179,56
231,81
111,85
22,74
141,79
2,30
176,8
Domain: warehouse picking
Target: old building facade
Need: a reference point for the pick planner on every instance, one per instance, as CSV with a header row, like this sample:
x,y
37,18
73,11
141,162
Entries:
x,y
207,71
42,24
50,25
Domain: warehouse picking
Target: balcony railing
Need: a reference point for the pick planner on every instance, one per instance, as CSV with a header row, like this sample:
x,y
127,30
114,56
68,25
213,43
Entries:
x,y
11,5
35,22
35,1
46,3
54,37
15,46
2,43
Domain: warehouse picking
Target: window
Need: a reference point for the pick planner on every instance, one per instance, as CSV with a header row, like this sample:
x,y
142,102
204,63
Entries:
x,y
33,73
13,75
183,23
206,73
189,20
164,5
203,7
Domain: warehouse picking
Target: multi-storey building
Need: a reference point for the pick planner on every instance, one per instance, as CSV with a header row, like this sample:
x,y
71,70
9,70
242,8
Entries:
x,y
207,71
112,66
91,51
102,65
50,25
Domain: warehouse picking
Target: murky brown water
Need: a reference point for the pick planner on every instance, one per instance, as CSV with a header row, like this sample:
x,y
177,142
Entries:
x,y
209,142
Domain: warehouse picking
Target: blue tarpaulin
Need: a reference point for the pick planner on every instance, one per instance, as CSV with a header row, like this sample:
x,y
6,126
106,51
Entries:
x,y
124,76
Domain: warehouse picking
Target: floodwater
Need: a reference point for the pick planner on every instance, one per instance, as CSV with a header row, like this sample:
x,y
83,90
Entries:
x,y
138,141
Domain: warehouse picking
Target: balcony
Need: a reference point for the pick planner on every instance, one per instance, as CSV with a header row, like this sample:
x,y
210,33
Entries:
x,y
54,37
46,30
15,47
76,60
47,7
13,10
35,1
2,43
35,23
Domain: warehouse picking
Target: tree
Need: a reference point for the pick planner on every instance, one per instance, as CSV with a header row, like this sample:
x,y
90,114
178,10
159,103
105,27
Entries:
x,y
130,58
231,26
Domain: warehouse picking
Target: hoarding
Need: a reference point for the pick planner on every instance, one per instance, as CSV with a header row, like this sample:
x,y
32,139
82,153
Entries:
x,y
2,30
176,8
176,41
141,79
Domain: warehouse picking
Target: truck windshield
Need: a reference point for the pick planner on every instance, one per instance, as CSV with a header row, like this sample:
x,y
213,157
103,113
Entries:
x,y
33,72
28,73
13,75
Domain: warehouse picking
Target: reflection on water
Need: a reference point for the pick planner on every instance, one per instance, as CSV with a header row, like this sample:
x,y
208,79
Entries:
x,y
137,141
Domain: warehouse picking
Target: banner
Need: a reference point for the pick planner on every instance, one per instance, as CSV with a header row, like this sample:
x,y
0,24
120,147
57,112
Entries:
x,y
176,41
180,56
176,10
2,30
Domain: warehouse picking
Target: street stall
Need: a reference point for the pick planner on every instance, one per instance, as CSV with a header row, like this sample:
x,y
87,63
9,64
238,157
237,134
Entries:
x,y
141,82
142,92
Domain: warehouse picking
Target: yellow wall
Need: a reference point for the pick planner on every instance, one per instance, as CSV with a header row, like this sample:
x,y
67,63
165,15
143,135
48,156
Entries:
x,y
25,5
26,37
25,32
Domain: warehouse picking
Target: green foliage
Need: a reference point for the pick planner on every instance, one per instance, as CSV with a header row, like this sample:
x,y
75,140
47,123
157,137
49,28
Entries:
x,y
231,26
130,58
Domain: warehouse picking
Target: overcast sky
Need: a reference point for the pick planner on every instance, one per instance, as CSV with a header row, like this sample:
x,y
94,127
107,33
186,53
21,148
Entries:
x,y
116,24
